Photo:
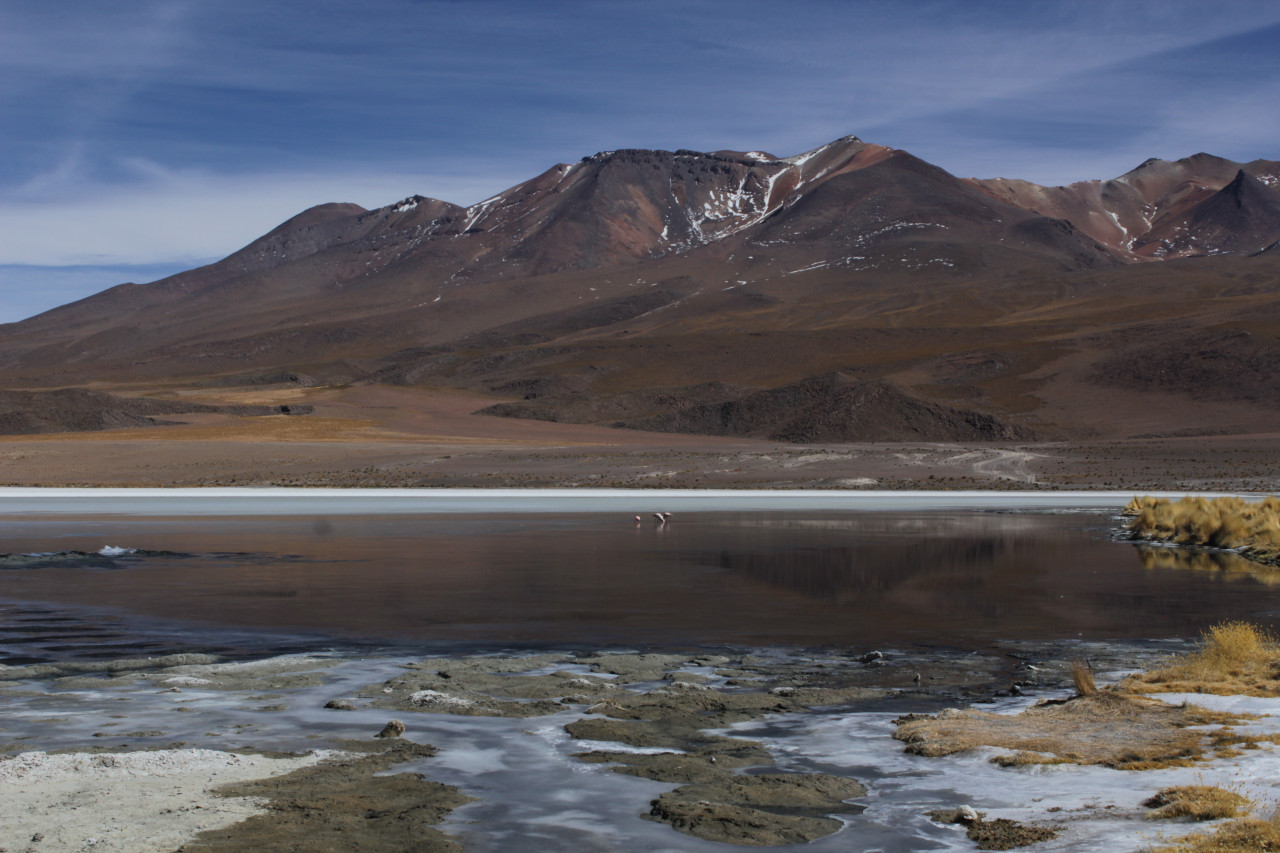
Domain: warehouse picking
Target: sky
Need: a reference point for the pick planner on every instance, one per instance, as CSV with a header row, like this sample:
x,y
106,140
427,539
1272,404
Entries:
x,y
139,138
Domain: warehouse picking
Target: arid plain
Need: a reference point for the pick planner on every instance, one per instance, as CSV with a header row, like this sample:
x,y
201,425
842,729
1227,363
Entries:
x,y
407,437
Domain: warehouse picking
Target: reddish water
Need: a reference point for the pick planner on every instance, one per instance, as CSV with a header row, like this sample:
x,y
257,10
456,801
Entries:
x,y
965,579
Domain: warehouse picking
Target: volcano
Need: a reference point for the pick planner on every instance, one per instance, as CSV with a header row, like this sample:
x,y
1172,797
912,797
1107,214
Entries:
x,y
708,292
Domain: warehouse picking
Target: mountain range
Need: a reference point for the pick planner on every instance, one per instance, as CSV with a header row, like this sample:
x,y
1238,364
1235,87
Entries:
x,y
851,293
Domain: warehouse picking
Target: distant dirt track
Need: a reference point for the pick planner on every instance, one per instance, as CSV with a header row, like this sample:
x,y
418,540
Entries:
x,y
1008,465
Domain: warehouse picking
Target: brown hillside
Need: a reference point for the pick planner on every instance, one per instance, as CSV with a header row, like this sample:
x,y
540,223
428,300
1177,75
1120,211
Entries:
x,y
721,293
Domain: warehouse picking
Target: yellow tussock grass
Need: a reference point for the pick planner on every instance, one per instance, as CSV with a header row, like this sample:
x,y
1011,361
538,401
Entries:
x,y
1116,726
1244,835
1235,658
1197,802
1109,728
1252,527
1082,677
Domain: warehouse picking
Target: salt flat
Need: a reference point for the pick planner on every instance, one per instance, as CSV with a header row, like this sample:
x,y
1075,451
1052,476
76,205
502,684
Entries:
x,y
341,501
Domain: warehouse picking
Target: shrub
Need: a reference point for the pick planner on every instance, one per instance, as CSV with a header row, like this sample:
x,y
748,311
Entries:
x,y
1244,835
1234,658
1082,677
1251,526
1197,802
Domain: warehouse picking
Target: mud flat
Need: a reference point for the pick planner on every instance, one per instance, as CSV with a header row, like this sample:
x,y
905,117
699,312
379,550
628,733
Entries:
x,y
570,750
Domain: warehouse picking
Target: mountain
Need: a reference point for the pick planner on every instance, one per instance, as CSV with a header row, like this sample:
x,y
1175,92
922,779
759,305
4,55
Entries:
x,y
703,291
1163,209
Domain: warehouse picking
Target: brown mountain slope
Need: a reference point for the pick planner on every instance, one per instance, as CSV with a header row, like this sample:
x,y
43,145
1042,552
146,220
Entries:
x,y
1115,352
903,213
681,290
831,409
340,283
1241,218
1144,214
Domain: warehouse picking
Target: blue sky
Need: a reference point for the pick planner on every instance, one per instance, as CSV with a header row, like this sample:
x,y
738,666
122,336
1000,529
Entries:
x,y
141,137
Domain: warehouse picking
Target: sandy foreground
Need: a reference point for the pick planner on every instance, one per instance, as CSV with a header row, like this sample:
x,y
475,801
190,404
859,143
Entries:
x,y
132,802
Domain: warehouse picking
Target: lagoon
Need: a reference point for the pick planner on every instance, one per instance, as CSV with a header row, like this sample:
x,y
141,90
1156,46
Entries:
x,y
530,568
974,591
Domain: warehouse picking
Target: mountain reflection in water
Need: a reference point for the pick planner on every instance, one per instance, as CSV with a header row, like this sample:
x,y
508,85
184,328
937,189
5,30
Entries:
x,y
862,579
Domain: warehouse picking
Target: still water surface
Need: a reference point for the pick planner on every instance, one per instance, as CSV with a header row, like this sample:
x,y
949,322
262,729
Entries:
x,y
963,579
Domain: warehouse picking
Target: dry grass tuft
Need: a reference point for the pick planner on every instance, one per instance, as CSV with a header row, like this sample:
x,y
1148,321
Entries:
x,y
1197,802
1236,658
1136,505
1082,677
1234,644
1109,728
1252,527
1244,835
1118,727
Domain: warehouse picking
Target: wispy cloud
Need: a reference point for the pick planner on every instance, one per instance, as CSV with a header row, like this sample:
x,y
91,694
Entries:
x,y
1199,94
174,128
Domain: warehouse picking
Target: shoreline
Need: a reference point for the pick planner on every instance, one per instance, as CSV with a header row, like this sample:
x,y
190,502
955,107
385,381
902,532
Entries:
x,y
484,452
274,500
539,740
863,574
572,748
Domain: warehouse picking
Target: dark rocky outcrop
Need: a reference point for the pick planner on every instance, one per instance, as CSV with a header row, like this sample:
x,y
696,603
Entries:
x,y
80,410
833,408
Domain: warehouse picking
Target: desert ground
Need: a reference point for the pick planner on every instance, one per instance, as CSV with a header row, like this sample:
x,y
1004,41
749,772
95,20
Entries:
x,y
390,436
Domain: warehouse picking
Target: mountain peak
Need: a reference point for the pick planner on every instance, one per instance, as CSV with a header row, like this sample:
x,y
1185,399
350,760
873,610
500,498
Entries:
x,y
851,141
410,203
742,257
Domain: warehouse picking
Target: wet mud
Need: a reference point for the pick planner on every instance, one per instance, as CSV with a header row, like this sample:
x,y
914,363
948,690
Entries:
x,y
662,712
655,716
343,805
998,834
